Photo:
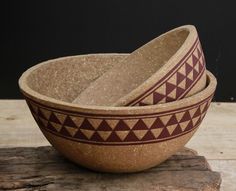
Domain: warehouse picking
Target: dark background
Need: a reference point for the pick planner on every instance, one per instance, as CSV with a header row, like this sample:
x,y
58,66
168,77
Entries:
x,y
33,31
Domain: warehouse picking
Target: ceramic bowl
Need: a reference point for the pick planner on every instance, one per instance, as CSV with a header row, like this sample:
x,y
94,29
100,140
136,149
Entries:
x,y
166,69
109,139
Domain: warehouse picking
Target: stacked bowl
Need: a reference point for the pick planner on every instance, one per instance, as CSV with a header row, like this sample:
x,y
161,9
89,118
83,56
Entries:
x,y
122,112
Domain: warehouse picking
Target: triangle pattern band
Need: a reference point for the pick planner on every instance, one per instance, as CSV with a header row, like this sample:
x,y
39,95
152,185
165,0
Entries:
x,y
177,83
158,127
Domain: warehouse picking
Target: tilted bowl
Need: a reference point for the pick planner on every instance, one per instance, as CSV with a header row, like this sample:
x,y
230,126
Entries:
x,y
168,68
110,139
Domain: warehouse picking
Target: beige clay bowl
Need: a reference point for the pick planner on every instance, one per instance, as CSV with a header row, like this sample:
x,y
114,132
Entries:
x,y
166,69
111,139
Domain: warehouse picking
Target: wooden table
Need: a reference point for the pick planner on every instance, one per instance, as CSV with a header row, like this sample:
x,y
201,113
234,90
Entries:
x,y
216,138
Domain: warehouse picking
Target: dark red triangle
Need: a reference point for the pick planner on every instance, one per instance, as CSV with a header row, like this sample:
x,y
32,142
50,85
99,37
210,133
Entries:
x,y
80,135
180,77
49,126
68,122
54,119
195,59
121,126
177,130
96,137
40,114
205,108
189,126
164,134
172,120
195,74
188,82
157,97
179,91
169,87
188,68
113,138
186,117
197,113
198,121
131,137
65,132
148,136
104,126
86,125
140,125
40,123
157,124
169,99
201,67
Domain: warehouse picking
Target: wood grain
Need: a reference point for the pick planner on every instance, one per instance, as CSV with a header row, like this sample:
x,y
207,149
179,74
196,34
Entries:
x,y
43,168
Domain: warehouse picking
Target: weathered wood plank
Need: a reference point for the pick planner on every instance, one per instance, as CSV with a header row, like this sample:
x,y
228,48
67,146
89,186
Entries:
x,y
227,169
44,169
18,127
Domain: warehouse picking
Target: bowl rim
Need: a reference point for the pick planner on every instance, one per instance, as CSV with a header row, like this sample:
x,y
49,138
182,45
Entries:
x,y
191,40
63,105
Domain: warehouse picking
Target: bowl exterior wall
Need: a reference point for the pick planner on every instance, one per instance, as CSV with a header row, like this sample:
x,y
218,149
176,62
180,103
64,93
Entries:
x,y
185,78
119,143
119,158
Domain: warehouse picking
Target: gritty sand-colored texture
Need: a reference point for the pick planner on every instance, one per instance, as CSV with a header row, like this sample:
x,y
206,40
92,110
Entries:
x,y
110,139
168,68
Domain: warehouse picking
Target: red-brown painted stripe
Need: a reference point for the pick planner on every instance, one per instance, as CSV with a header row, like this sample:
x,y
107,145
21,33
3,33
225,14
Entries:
x,y
167,76
193,84
109,116
120,143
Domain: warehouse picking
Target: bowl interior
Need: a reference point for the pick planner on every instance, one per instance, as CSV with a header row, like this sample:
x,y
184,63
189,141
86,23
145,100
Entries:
x,y
135,70
63,79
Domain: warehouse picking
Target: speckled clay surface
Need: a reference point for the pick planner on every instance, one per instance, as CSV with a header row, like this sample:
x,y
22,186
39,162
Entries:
x,y
167,68
111,139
